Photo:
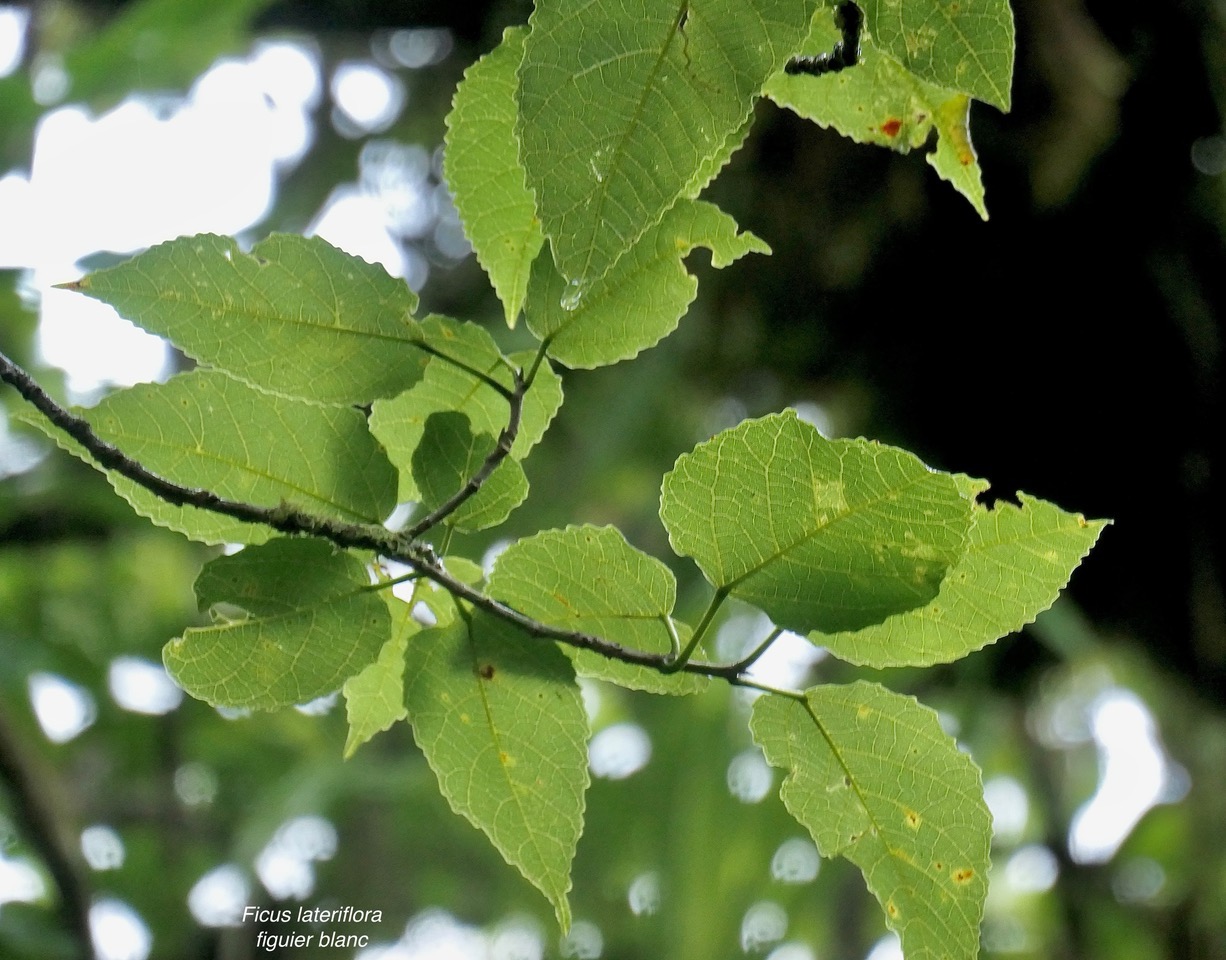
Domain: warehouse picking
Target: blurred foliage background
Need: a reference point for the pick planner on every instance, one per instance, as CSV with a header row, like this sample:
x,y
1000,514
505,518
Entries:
x,y
1070,347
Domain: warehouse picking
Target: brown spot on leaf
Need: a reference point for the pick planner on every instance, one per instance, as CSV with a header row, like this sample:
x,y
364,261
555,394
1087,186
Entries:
x,y
487,671
963,875
891,127
912,819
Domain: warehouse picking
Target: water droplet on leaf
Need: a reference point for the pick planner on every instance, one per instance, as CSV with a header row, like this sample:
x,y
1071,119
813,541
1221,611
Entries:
x,y
573,295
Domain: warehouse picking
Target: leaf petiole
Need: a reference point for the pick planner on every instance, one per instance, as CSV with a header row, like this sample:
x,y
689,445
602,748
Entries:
x,y
530,376
395,581
673,664
739,668
674,640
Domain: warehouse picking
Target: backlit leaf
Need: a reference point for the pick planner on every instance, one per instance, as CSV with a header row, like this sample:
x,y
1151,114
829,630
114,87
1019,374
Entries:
x,y
204,429
821,534
499,718
965,46
448,455
1017,561
879,101
483,170
399,423
627,106
374,698
641,300
311,622
589,579
873,778
295,316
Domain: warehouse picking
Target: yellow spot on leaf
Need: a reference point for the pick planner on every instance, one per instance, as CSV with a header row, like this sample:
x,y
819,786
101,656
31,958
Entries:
x,y
912,819
963,875
901,855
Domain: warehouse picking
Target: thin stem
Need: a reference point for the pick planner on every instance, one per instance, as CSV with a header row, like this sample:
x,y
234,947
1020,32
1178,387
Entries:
x,y
395,581
445,545
674,641
677,663
748,661
530,377
502,450
752,684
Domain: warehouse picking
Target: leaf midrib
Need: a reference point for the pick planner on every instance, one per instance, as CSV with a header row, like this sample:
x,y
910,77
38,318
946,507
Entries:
x,y
824,528
603,186
211,457
528,821
169,296
854,782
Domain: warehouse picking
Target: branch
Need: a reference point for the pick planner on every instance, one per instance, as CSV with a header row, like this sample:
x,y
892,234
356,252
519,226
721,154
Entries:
x,y
285,518
501,451
32,811
292,521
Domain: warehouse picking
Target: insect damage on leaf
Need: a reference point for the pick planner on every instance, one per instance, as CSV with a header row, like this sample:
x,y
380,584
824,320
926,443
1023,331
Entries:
x,y
846,52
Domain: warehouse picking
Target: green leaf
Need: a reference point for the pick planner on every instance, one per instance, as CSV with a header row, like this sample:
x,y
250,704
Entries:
x,y
1017,561
626,107
374,698
965,46
954,158
709,169
204,429
448,455
312,622
589,579
874,779
821,534
499,718
641,300
463,569
879,101
445,385
347,325
483,170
